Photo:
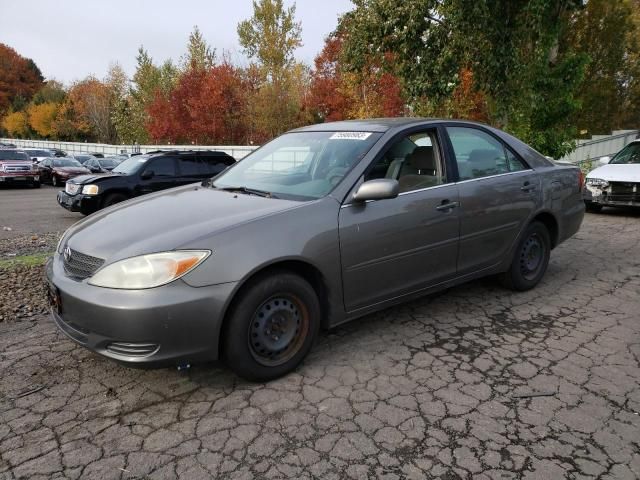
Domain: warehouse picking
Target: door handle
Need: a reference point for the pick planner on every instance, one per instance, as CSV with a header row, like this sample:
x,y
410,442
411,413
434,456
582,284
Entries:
x,y
446,205
527,187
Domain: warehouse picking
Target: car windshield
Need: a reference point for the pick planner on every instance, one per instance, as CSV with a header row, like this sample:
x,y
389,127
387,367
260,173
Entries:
x,y
108,162
300,165
66,162
13,155
131,165
628,155
40,153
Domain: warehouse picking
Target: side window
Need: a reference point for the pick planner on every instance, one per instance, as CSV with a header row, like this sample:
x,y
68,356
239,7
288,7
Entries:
x,y
216,164
413,160
190,167
478,154
163,167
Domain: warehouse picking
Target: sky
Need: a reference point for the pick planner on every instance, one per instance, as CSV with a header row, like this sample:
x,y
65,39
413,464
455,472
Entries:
x,y
70,39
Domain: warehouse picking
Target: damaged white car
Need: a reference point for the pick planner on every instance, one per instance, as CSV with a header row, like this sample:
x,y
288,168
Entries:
x,y
616,183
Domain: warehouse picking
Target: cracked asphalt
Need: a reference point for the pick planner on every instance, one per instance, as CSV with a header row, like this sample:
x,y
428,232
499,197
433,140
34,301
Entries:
x,y
476,382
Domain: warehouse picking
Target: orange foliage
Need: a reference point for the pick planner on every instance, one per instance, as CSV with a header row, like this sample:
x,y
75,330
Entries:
x,y
207,106
19,77
466,101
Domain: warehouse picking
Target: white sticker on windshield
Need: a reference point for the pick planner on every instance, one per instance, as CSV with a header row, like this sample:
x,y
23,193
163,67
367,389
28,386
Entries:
x,y
350,136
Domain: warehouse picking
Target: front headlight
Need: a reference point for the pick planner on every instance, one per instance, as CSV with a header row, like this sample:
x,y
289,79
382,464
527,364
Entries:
x,y
90,190
597,182
148,271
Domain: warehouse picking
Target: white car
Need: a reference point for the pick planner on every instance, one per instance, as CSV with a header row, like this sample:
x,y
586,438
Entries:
x,y
616,183
38,154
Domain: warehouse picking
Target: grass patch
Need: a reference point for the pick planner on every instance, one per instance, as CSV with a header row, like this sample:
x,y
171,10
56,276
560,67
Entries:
x,y
25,260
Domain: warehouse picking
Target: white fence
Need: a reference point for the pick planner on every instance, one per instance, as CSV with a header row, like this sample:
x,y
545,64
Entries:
x,y
601,146
235,151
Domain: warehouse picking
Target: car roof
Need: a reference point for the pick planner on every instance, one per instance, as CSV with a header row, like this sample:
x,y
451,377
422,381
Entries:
x,y
380,125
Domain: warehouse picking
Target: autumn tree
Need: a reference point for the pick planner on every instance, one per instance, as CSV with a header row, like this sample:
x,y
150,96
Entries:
x,y
207,106
42,118
16,124
337,93
20,78
51,92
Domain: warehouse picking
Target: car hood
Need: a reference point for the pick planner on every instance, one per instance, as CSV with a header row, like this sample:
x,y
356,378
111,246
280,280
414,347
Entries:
x,y
93,177
70,169
617,172
182,217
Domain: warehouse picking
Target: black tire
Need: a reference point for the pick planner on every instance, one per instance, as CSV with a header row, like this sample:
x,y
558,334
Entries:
x,y
593,207
530,260
113,198
54,181
271,326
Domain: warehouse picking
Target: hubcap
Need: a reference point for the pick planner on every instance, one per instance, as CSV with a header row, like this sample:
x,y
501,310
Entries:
x,y
278,329
531,256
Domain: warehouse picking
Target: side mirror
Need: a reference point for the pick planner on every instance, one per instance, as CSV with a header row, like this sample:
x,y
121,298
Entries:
x,y
379,189
604,160
146,175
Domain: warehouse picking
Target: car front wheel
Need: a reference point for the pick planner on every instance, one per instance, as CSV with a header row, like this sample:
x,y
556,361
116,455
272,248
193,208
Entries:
x,y
54,181
530,260
271,326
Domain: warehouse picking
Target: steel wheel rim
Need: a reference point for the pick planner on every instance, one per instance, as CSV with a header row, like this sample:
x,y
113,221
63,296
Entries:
x,y
531,256
278,329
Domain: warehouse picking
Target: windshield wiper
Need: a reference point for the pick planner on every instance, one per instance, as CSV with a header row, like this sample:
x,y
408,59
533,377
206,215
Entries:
x,y
249,191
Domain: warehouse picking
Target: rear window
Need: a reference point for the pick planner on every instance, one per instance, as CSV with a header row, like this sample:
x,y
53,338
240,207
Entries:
x,y
13,155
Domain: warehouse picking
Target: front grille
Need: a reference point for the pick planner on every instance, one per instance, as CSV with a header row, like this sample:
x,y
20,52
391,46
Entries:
x,y
624,192
17,168
133,349
78,265
72,188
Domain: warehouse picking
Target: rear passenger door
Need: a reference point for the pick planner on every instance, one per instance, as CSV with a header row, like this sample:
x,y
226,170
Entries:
x,y
498,192
191,169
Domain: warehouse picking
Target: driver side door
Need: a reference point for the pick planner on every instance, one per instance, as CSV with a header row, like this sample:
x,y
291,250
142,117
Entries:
x,y
394,247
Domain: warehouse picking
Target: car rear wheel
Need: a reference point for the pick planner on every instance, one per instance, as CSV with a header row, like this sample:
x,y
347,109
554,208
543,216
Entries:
x,y
113,199
530,260
593,207
271,326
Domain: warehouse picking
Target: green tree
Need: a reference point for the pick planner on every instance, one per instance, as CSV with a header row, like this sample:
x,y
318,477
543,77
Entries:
x,y
52,92
515,56
199,54
604,32
270,38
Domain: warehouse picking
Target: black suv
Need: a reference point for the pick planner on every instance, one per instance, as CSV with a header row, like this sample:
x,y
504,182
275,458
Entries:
x,y
141,174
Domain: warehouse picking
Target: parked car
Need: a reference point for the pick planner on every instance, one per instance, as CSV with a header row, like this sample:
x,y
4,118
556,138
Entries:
x,y
97,154
7,145
616,182
322,225
57,152
17,168
38,154
82,157
102,165
57,171
140,175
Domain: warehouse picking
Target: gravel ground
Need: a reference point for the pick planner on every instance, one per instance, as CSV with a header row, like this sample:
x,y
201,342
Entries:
x,y
474,383
22,292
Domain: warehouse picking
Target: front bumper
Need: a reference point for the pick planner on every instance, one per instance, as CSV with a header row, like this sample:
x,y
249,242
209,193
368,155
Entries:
x,y
11,178
607,197
167,325
78,203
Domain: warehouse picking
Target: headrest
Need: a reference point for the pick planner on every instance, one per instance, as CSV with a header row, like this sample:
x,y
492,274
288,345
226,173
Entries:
x,y
422,158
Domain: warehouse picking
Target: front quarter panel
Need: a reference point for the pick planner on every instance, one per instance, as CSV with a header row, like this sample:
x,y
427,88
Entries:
x,y
307,234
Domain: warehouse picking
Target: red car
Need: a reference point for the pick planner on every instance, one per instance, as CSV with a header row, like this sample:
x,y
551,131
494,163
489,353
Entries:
x,y
58,170
16,167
